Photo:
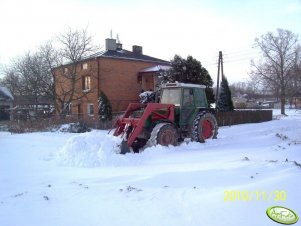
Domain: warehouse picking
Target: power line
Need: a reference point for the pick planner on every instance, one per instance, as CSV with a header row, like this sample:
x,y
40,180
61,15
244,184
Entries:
x,y
229,58
250,53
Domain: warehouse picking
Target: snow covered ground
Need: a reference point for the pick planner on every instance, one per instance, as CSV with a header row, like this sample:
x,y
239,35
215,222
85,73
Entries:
x,y
70,179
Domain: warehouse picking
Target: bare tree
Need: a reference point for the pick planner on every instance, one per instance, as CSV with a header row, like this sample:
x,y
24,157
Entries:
x,y
33,74
75,46
246,89
294,86
276,67
12,81
51,58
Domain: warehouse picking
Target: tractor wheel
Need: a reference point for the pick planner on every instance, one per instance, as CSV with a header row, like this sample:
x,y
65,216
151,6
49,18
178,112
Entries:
x,y
164,134
204,127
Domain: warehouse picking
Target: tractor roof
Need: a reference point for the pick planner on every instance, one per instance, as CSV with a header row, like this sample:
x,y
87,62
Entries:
x,y
179,84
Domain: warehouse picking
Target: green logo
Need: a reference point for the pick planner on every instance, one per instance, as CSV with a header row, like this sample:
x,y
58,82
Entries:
x,y
282,215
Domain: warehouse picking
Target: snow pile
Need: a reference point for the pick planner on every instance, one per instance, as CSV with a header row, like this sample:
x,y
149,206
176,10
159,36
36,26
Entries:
x,y
91,150
74,128
147,97
97,148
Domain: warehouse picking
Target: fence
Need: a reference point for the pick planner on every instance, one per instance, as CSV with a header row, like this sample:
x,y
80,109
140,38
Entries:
x,y
48,124
42,124
243,116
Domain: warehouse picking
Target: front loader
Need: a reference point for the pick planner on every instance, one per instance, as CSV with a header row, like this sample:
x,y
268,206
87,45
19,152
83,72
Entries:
x,y
182,112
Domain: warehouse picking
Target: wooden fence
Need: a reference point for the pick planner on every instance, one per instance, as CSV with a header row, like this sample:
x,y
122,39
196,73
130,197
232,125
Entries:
x,y
223,119
243,116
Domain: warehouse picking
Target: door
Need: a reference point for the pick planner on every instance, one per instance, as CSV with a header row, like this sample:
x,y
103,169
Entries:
x,y
148,82
187,107
79,111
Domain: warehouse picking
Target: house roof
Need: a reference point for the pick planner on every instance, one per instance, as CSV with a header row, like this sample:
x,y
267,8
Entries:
x,y
121,54
5,94
128,55
30,100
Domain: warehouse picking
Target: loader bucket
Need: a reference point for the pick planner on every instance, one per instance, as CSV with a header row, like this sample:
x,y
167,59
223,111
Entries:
x,y
124,148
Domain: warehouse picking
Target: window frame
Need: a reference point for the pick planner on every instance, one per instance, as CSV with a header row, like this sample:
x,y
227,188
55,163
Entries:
x,y
65,70
89,108
86,83
84,66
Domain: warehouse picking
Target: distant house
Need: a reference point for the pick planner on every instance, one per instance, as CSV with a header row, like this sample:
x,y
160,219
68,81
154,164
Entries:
x,y
30,108
6,103
119,73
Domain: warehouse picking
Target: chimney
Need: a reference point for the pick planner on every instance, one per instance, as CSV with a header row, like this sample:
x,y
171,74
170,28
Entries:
x,y
111,44
119,46
137,50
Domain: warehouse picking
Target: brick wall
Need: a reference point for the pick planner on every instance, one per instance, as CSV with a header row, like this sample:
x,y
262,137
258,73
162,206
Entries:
x,y
84,97
117,78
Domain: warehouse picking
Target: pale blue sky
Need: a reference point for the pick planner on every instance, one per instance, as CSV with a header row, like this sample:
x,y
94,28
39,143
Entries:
x,y
164,28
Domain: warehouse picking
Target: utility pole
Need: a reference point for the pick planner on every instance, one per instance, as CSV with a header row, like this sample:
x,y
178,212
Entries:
x,y
222,65
220,68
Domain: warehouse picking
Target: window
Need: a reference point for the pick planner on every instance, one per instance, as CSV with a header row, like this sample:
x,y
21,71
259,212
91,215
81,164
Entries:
x,y
171,96
200,98
84,66
90,109
188,97
86,83
65,70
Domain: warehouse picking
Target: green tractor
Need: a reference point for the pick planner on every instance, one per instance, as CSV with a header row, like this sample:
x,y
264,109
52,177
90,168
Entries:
x,y
182,112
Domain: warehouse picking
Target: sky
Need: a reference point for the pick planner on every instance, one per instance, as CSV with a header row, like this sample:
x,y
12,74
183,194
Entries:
x,y
164,28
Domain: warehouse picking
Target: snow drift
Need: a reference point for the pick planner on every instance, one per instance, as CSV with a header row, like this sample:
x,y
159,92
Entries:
x,y
90,150
97,148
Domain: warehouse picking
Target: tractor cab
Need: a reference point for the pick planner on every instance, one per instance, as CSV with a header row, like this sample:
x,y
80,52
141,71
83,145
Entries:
x,y
187,98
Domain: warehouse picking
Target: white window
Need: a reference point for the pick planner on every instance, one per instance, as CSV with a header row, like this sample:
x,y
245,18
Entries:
x,y
84,66
90,109
65,70
86,83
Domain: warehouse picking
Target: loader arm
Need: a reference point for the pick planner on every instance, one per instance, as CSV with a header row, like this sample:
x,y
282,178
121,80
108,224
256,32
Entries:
x,y
155,111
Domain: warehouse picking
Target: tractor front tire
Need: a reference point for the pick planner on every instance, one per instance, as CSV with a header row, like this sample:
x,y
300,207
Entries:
x,y
204,127
164,134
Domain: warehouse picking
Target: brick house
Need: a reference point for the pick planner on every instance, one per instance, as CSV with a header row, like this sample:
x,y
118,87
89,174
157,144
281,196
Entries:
x,y
119,73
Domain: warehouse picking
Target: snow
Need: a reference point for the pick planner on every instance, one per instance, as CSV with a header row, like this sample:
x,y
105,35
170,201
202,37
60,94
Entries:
x,y
156,68
66,179
6,92
146,97
88,150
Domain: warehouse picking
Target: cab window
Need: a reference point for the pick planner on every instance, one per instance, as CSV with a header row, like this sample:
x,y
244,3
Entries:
x,y
200,96
171,96
188,98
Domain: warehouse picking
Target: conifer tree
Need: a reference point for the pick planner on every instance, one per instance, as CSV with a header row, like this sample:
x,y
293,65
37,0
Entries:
x,y
104,108
225,98
191,70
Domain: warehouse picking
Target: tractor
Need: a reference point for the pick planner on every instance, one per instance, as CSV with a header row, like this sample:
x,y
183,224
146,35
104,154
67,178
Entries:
x,y
182,112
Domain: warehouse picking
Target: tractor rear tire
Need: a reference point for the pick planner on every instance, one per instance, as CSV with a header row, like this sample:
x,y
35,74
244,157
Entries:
x,y
164,134
204,127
